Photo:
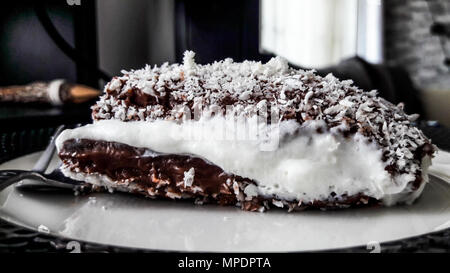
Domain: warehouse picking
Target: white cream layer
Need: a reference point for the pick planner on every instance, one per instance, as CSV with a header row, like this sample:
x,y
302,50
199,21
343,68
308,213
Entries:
x,y
306,165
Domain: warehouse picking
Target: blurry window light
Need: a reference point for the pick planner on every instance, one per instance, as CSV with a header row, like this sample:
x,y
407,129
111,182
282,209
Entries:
x,y
319,33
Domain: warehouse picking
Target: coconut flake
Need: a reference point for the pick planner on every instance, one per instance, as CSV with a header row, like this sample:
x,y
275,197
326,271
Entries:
x,y
189,177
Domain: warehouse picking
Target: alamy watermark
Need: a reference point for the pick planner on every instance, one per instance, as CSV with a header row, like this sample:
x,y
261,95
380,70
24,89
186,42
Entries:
x,y
374,247
73,2
257,124
74,247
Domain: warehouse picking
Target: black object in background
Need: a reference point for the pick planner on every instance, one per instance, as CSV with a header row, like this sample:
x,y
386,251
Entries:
x,y
218,29
28,53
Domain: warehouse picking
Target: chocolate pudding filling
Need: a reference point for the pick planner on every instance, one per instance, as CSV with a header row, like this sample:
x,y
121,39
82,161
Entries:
x,y
156,174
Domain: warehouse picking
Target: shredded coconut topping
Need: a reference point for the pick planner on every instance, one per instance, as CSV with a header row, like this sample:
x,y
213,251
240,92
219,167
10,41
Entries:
x,y
162,92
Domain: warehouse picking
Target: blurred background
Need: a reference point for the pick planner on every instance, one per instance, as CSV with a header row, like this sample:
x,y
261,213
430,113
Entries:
x,y
400,47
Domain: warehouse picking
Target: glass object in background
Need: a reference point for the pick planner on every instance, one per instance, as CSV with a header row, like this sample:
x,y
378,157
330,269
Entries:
x,y
322,32
436,97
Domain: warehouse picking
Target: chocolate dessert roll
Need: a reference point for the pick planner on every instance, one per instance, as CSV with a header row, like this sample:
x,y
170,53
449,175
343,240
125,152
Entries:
x,y
248,134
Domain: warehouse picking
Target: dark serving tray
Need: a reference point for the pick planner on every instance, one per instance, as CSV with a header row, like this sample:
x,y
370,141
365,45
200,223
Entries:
x,y
16,239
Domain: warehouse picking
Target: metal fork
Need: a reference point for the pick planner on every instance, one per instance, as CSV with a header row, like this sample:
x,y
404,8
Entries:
x,y
54,179
43,161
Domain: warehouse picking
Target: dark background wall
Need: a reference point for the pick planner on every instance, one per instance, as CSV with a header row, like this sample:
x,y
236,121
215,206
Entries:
x,y
26,51
133,33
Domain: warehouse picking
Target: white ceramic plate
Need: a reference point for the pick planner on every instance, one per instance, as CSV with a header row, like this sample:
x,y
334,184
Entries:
x,y
132,221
